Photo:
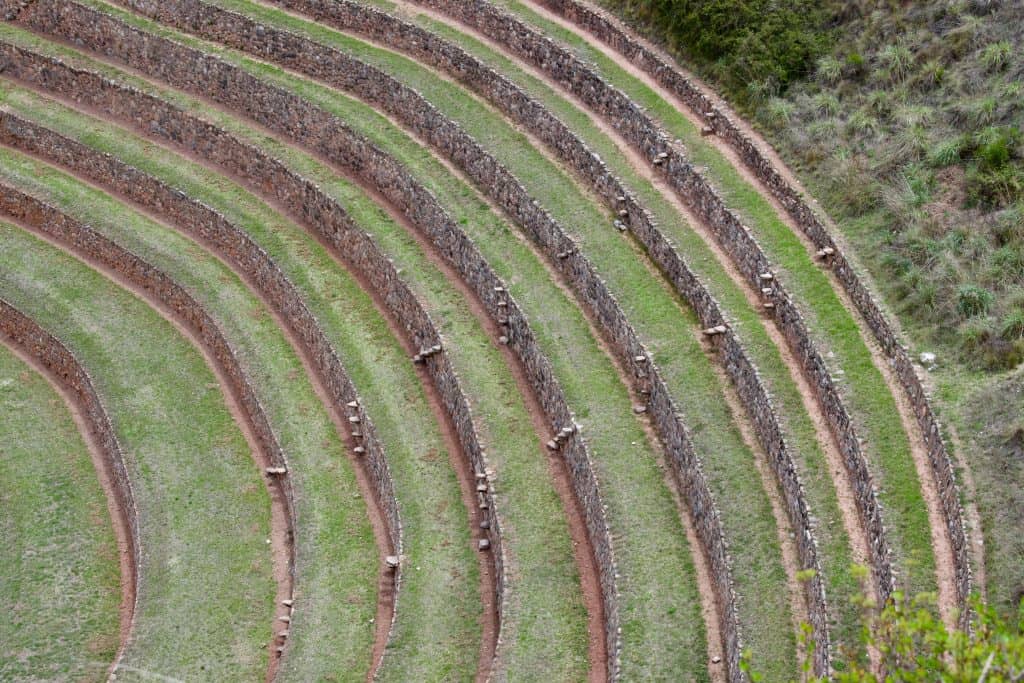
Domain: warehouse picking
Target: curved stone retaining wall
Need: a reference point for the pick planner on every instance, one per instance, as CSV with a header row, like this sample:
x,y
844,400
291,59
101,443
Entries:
x,y
89,244
718,119
24,333
246,257
326,217
315,128
385,92
735,238
524,110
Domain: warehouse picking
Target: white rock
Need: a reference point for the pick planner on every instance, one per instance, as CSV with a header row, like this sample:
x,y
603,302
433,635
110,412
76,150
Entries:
x,y
927,358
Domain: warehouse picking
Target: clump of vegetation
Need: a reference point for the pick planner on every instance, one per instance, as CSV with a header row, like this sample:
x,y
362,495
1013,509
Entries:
x,y
754,46
907,120
914,645
923,163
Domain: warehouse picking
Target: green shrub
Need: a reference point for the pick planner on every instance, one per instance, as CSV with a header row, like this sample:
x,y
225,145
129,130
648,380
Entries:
x,y
995,146
972,300
779,111
827,104
767,42
862,122
932,75
995,187
829,69
916,646
897,60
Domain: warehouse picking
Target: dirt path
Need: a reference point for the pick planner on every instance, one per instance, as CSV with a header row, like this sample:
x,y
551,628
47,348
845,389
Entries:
x,y
118,516
281,546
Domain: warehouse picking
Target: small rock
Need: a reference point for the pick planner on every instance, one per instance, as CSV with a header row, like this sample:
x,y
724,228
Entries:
x,y
928,358
716,660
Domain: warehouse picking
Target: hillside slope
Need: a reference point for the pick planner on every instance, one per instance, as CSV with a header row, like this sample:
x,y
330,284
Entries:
x,y
904,120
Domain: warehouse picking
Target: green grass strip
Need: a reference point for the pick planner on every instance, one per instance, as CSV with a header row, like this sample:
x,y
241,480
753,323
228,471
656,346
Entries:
x,y
800,431
834,544
440,595
662,611
59,569
205,592
657,312
867,395
337,561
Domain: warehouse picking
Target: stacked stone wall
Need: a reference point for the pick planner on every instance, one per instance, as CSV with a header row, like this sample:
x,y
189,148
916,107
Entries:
x,y
315,209
719,119
670,161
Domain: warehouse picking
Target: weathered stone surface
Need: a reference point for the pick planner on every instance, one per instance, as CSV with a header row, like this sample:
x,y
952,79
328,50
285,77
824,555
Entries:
x,y
719,119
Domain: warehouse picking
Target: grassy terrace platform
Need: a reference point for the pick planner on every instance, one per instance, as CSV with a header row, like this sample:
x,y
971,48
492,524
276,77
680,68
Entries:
x,y
835,328
337,565
59,570
660,601
205,593
658,318
649,306
439,593
541,547
515,151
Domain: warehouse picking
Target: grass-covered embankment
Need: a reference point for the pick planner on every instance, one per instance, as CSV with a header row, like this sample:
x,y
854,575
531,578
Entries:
x,y
59,566
439,593
205,586
337,560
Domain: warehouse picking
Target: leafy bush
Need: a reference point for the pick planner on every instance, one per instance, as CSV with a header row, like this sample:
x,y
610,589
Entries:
x,y
915,645
767,42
